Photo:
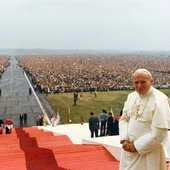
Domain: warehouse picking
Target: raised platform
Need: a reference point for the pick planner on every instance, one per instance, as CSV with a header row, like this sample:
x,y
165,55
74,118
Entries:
x,y
80,134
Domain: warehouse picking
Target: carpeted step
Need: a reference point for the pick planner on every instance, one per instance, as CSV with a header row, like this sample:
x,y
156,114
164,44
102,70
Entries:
x,y
33,149
84,155
12,159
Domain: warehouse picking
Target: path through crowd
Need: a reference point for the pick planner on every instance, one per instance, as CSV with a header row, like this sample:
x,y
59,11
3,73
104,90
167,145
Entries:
x,y
15,98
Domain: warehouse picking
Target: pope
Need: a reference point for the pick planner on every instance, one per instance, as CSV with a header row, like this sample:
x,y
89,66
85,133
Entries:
x,y
144,125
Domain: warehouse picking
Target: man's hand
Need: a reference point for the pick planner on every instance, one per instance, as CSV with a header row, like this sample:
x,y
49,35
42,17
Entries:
x,y
129,146
125,145
132,147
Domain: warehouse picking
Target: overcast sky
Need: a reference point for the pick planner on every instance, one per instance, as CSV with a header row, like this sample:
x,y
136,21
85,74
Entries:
x,y
85,24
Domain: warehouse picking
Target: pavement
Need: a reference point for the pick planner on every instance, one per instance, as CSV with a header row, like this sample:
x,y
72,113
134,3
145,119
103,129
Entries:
x,y
15,98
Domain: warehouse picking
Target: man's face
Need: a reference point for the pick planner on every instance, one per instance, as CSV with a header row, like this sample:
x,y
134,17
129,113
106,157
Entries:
x,y
142,82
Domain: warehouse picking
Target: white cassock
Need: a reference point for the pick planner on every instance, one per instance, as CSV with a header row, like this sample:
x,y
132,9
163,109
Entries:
x,y
145,120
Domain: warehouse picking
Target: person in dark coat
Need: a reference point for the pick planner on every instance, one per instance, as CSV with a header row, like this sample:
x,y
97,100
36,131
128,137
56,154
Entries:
x,y
110,124
1,122
75,98
1,126
116,125
21,117
93,125
25,118
30,91
40,120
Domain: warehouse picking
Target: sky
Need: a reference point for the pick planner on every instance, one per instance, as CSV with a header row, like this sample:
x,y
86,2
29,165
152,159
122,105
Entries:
x,y
85,24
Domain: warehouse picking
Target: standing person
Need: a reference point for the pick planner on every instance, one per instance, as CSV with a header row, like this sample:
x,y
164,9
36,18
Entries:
x,y
116,126
8,125
30,91
25,118
40,120
95,93
21,117
75,98
103,120
93,125
144,125
1,126
110,122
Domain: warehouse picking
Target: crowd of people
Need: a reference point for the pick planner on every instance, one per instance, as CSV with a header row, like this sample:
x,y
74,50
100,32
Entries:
x,y
4,63
63,73
104,125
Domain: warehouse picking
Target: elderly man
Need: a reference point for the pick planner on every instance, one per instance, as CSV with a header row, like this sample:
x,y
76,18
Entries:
x,y
144,125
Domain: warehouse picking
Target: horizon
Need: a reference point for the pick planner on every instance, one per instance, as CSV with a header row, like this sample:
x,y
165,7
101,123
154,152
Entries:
x,y
13,51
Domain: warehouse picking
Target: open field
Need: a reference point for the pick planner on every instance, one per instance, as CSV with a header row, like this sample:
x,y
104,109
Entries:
x,y
107,100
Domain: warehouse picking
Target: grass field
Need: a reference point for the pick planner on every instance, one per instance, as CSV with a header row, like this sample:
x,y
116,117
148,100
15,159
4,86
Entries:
x,y
110,99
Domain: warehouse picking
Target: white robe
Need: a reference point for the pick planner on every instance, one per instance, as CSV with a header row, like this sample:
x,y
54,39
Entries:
x,y
147,130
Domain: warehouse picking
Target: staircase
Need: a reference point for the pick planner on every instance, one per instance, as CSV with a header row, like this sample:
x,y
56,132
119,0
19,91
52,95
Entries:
x,y
32,149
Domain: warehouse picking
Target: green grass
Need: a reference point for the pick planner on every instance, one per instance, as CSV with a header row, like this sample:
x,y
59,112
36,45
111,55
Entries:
x,y
107,100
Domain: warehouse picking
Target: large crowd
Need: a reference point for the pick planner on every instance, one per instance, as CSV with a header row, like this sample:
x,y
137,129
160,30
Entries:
x,y
4,63
68,73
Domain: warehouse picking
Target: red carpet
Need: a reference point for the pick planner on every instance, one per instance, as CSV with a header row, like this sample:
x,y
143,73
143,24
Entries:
x,y
33,149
